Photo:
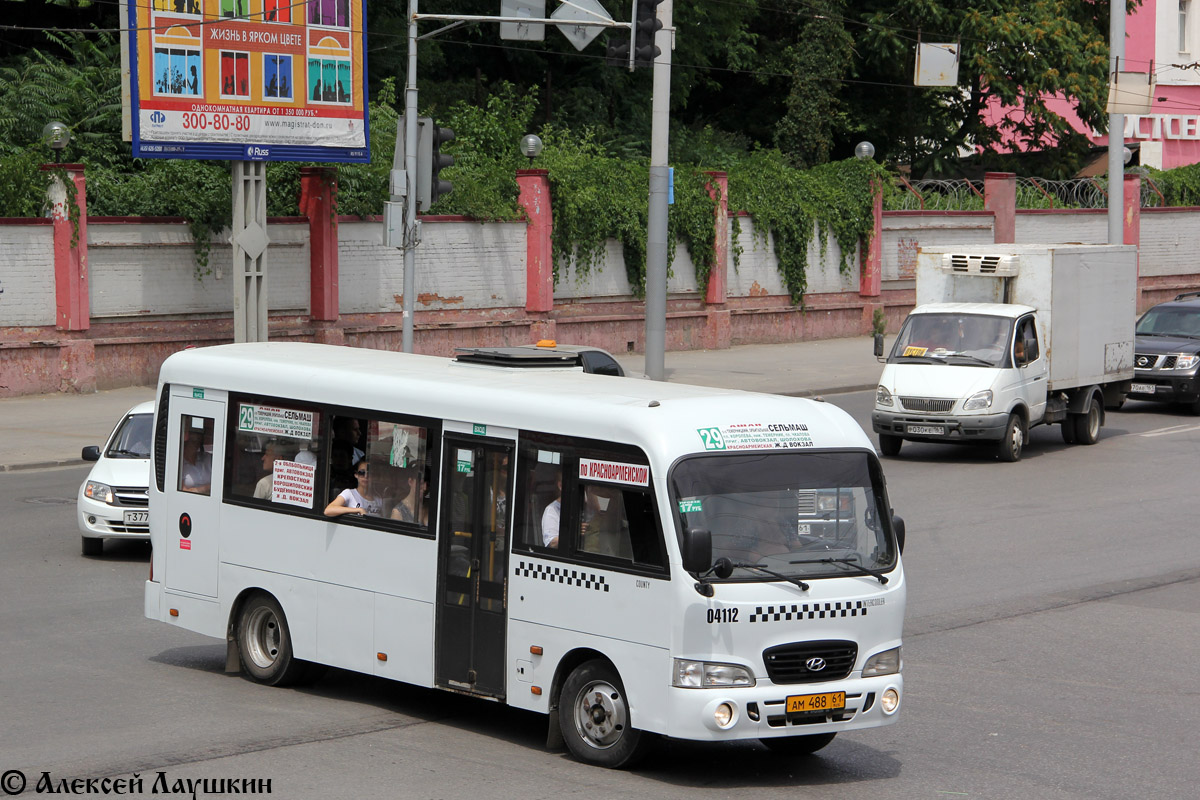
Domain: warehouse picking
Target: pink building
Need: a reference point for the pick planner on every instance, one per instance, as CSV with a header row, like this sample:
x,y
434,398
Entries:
x,y
1163,35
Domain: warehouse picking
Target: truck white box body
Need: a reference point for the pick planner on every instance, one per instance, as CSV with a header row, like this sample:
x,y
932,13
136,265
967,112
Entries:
x,y
1085,296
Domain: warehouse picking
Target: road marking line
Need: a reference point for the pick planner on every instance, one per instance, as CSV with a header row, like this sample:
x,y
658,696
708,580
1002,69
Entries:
x,y
1171,430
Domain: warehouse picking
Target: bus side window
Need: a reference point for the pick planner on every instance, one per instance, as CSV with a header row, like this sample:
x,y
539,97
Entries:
x,y
539,498
195,458
275,454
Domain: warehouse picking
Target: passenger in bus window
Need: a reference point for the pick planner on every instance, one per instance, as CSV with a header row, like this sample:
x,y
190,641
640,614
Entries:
x,y
551,516
262,490
195,471
358,501
408,497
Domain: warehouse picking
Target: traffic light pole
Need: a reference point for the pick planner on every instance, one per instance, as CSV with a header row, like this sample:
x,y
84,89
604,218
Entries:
x,y
656,230
410,171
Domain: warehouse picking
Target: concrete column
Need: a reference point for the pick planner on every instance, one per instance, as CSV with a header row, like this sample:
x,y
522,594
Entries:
x,y
1000,197
318,202
72,306
534,197
1132,218
870,274
718,278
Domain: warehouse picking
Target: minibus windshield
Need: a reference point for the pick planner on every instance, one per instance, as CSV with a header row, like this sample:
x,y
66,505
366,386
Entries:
x,y
800,514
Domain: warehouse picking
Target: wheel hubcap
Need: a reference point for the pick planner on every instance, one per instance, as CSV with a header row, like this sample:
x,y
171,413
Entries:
x,y
262,637
600,715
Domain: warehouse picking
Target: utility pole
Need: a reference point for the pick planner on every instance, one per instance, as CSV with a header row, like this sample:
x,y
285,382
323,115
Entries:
x,y
1116,128
656,230
410,234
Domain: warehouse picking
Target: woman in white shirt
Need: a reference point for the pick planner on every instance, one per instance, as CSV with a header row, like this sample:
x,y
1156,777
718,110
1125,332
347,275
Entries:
x,y
359,500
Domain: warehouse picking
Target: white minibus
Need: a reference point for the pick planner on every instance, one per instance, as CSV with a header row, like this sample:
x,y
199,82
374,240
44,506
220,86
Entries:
x,y
630,558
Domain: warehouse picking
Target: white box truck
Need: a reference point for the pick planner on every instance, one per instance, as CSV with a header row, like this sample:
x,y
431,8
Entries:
x,y
1006,337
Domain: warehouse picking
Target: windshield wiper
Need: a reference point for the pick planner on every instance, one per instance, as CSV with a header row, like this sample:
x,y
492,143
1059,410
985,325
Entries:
x,y
981,361
849,562
772,573
129,453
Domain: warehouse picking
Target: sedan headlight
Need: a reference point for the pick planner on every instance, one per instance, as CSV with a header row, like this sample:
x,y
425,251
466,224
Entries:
x,y
888,662
708,675
100,492
1185,360
979,401
883,397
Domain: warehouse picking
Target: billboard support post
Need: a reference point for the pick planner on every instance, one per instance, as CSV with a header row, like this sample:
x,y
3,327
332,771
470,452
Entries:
x,y
249,244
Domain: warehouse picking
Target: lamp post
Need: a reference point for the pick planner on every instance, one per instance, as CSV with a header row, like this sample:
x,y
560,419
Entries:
x,y
57,135
531,146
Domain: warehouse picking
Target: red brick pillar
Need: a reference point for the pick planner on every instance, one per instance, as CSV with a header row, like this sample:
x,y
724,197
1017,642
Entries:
x,y
870,276
718,333
534,186
318,202
1132,216
72,307
1000,197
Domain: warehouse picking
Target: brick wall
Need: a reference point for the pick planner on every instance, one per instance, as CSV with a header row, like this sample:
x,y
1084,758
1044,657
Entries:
x,y
26,275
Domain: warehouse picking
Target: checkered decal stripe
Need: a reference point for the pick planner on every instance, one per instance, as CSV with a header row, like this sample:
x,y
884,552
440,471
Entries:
x,y
571,577
808,611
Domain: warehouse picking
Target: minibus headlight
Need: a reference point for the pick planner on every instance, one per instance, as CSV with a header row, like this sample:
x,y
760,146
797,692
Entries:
x,y
888,662
100,492
707,675
979,401
882,396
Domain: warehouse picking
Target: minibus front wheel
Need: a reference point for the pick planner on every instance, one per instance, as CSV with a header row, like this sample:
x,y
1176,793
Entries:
x,y
594,717
265,643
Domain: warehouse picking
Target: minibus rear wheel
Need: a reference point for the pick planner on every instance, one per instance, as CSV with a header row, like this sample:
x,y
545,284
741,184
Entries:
x,y
594,717
798,745
265,643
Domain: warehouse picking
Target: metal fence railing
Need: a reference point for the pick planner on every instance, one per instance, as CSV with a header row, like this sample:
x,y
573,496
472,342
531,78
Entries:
x,y
964,194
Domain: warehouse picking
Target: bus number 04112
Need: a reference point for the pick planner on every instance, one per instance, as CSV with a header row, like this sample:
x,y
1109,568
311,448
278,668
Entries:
x,y
722,615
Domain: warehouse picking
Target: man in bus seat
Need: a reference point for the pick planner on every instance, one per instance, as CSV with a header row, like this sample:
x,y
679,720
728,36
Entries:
x,y
552,513
604,529
195,471
272,451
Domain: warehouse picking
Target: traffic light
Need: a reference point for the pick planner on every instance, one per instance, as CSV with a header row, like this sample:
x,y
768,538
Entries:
x,y
645,24
431,161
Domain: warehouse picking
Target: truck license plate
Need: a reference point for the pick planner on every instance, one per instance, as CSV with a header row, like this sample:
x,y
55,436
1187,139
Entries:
x,y
137,517
1141,388
927,430
806,703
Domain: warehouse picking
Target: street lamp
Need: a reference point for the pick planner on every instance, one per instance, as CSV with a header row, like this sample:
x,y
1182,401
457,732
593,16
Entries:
x,y
1126,155
864,150
531,146
57,135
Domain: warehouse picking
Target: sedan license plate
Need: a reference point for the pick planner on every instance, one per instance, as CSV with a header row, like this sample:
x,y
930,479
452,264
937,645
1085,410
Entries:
x,y
1141,388
927,430
137,517
816,703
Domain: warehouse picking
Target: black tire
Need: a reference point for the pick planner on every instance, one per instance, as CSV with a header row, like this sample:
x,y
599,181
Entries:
x,y
889,445
1087,424
1068,429
594,717
1009,448
798,745
91,547
265,643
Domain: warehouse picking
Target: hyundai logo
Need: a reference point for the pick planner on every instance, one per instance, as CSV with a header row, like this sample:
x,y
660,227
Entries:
x,y
815,664
158,117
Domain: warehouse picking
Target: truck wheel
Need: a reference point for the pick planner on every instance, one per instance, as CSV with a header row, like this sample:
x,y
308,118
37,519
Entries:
x,y
1010,446
798,745
890,445
593,714
91,546
1087,424
1068,429
265,643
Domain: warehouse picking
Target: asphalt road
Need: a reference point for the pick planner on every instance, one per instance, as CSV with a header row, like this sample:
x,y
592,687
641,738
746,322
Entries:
x,y
1050,648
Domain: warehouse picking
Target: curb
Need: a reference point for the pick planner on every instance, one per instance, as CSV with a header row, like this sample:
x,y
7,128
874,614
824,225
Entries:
x,y
71,462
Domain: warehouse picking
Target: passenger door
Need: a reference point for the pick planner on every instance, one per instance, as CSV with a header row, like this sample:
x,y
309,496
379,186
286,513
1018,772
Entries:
x,y
195,474
473,547
1032,367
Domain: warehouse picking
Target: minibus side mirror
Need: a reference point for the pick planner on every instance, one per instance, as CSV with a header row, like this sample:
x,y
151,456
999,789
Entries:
x,y
898,527
879,345
697,550
91,453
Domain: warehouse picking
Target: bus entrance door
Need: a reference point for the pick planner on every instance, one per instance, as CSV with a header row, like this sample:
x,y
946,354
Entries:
x,y
195,444
472,564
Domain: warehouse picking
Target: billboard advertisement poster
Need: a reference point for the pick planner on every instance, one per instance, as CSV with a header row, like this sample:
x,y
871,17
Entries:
x,y
249,80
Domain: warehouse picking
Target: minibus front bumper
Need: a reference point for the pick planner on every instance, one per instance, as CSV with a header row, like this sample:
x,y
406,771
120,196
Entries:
x,y
759,712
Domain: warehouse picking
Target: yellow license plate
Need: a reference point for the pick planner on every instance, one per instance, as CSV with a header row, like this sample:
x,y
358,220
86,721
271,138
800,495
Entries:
x,y
803,703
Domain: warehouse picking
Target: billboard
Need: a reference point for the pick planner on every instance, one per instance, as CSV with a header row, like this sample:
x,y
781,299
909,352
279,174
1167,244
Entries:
x,y
249,80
